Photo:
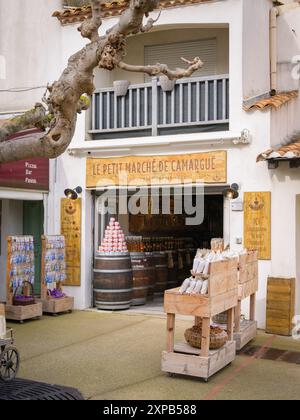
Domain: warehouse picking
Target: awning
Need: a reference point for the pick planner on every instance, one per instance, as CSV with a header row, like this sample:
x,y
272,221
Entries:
x,y
270,102
287,152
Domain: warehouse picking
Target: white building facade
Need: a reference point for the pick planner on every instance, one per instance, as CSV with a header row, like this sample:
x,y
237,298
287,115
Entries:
x,y
234,39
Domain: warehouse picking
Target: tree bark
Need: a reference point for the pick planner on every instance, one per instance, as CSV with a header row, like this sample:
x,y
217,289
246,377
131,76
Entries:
x,y
64,98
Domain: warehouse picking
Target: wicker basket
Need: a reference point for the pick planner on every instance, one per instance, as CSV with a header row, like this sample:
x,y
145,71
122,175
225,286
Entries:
x,y
20,299
218,338
221,318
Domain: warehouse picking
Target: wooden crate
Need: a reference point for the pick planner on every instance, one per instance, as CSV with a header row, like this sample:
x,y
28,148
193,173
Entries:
x,y
248,331
222,294
22,313
186,360
57,306
280,306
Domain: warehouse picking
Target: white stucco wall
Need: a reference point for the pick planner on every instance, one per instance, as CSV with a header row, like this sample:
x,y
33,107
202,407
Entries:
x,y
30,41
288,44
256,58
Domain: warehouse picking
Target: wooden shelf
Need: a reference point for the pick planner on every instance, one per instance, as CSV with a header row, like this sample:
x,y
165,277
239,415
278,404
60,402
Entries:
x,y
248,287
50,304
222,297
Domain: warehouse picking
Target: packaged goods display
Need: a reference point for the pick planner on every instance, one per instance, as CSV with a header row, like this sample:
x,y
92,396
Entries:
x,y
199,281
114,239
54,265
21,258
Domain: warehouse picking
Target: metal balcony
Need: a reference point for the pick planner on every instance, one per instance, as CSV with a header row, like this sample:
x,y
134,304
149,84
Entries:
x,y
196,104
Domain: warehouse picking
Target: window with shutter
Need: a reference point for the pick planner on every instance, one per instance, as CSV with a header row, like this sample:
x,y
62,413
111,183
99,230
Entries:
x,y
171,54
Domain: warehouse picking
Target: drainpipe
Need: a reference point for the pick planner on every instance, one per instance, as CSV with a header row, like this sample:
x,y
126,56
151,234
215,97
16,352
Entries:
x,y
273,49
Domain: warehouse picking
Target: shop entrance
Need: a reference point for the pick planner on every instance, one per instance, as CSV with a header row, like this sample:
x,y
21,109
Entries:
x,y
161,225
33,225
164,232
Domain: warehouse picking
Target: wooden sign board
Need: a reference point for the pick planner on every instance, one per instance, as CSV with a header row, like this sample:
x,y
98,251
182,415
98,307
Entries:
x,y
71,229
209,168
257,223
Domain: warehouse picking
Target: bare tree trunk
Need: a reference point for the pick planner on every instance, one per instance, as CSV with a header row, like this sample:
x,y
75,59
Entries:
x,y
65,98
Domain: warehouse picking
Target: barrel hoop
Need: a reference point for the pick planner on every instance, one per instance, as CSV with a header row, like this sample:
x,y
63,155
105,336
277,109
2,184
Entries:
x,y
100,302
142,268
112,291
140,288
112,259
113,271
161,266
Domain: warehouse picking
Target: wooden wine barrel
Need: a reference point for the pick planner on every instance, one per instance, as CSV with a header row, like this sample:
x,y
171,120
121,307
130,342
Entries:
x,y
172,269
152,275
161,273
142,267
113,282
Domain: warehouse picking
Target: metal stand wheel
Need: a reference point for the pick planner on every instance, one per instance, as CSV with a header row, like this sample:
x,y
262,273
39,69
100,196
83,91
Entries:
x,y
9,364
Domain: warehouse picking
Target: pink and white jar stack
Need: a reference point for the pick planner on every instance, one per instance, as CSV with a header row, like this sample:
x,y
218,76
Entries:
x,y
114,240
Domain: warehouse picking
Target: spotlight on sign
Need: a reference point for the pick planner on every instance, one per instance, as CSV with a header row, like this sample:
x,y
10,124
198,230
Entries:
x,y
73,194
232,193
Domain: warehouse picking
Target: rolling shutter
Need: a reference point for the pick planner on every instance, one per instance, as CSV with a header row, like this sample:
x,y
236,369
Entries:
x,y
171,54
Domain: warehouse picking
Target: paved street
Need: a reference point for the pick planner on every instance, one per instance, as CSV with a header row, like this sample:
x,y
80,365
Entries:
x,y
117,356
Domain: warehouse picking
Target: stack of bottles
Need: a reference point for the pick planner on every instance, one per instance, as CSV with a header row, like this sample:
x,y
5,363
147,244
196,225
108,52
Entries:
x,y
114,239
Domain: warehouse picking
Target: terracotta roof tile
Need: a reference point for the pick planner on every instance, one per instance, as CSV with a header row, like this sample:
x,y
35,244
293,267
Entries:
x,y
288,151
111,8
274,102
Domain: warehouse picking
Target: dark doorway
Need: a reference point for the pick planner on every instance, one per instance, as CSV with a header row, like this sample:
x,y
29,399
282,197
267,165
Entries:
x,y
33,224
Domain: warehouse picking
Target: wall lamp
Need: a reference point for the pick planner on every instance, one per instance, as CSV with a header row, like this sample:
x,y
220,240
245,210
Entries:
x,y
232,193
73,194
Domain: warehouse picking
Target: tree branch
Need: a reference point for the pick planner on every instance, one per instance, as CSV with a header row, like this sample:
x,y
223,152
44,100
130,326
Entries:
x,y
33,118
89,28
162,69
64,98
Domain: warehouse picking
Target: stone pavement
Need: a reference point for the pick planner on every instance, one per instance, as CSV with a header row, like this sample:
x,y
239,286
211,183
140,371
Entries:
x,y
117,356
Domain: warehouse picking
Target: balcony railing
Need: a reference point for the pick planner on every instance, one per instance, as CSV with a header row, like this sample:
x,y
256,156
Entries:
x,y
195,104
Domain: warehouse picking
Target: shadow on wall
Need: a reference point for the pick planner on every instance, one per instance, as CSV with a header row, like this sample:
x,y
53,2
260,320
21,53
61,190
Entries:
x,y
284,173
76,3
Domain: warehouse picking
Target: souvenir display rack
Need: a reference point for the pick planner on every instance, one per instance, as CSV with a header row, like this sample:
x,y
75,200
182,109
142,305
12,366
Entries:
x,y
246,330
20,271
54,275
222,297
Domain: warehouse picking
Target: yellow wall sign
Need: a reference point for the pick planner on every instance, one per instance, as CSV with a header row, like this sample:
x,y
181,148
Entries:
x,y
71,229
257,223
210,168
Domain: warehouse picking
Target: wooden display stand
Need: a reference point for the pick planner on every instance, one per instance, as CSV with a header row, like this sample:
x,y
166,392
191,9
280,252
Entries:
x,y
18,313
51,305
222,297
246,331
